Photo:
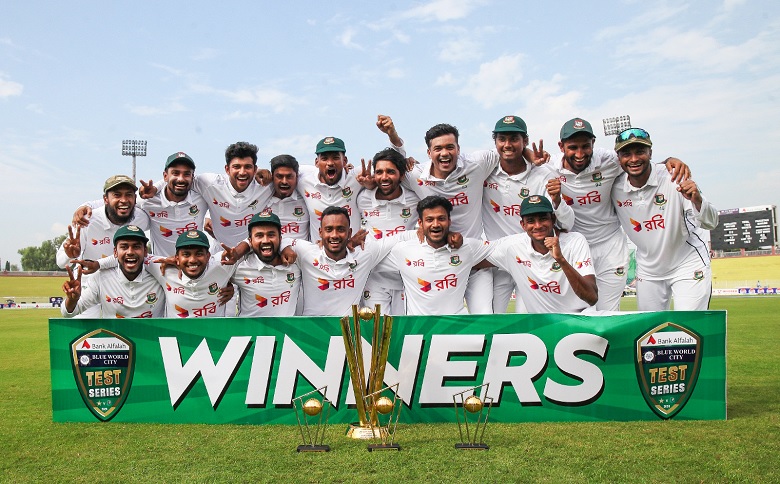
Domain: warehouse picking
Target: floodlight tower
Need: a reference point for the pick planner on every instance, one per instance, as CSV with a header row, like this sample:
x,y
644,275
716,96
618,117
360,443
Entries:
x,y
133,147
616,125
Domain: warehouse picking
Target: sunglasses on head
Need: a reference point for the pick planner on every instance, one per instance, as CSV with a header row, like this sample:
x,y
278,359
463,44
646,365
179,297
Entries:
x,y
633,133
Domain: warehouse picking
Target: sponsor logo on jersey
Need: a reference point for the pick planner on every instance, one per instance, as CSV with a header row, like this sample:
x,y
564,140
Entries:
x,y
551,287
425,286
298,212
659,199
181,312
165,232
323,284
526,263
655,223
496,207
668,359
220,204
415,263
151,298
455,260
637,225
567,199
427,183
261,301
377,233
103,364
318,214
103,241
194,210
459,199
625,203
213,288
583,263
255,280
698,275
224,222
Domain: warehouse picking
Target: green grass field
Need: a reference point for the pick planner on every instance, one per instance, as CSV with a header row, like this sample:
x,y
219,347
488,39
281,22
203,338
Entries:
x,y
743,448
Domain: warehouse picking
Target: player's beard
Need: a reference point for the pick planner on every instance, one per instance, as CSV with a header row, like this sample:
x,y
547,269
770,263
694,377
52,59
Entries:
x,y
115,218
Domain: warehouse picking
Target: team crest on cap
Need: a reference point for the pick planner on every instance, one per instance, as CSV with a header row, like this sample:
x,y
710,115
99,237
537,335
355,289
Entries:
x,y
524,192
535,199
151,298
298,211
659,199
455,260
698,275
266,212
556,267
192,234
346,193
463,180
328,141
194,210
596,177
579,124
406,213
509,120
133,228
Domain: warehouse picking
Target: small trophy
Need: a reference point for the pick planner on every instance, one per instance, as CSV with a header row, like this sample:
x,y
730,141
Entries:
x,y
368,423
313,433
382,405
472,404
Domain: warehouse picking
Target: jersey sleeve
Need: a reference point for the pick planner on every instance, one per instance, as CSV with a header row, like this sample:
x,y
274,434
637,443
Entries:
x,y
89,297
487,160
707,217
499,253
480,249
577,254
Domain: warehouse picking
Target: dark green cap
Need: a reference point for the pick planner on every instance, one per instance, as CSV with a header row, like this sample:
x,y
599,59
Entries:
x,y
264,217
117,180
130,232
535,204
576,126
192,238
330,144
511,124
180,157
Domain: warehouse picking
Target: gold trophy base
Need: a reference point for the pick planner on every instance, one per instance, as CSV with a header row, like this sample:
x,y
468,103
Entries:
x,y
359,432
468,446
313,448
373,447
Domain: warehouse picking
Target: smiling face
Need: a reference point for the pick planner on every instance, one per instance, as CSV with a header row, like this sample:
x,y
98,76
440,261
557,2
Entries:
x,y
241,172
538,226
285,180
192,260
178,181
510,146
577,152
635,161
265,241
120,203
335,234
435,224
388,180
331,165
443,152
130,254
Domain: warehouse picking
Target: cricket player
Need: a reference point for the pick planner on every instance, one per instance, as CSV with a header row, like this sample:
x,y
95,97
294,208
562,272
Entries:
x,y
96,240
387,210
662,218
126,291
267,287
552,269
435,275
286,202
587,174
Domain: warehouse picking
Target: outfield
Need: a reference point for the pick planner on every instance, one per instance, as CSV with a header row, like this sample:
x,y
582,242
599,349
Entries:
x,y
743,448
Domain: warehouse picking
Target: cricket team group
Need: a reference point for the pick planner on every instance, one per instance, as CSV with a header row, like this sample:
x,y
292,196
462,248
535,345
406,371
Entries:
x,y
458,234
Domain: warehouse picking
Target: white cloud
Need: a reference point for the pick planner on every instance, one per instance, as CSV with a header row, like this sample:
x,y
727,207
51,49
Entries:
x,y
460,50
346,37
445,79
9,88
442,10
496,82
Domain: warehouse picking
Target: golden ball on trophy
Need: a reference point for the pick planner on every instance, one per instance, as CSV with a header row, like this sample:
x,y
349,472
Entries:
x,y
312,407
384,405
473,404
366,313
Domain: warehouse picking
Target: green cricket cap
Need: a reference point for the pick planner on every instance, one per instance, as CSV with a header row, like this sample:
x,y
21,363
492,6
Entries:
x,y
192,238
511,124
330,144
576,126
179,158
535,204
130,232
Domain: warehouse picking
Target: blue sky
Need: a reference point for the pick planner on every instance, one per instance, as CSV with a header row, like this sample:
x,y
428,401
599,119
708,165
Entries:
x,y
76,78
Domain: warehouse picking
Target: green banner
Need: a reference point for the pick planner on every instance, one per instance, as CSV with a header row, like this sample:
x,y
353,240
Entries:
x,y
549,367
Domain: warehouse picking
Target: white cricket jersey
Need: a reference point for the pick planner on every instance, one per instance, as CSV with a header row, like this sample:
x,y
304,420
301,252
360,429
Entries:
x,y
503,194
119,297
588,194
463,187
663,226
230,210
435,280
170,219
193,298
383,218
331,287
266,290
319,196
540,280
293,215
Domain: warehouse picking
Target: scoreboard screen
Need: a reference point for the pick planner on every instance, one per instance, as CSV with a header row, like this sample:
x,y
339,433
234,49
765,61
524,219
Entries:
x,y
748,228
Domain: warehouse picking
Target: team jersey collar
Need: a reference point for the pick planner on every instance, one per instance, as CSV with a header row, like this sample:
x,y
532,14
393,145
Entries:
x,y
459,168
652,181
522,177
170,203
348,260
401,199
143,276
293,196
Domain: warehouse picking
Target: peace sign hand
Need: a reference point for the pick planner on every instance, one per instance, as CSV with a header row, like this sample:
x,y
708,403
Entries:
x,y
72,290
147,190
540,156
72,245
366,178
